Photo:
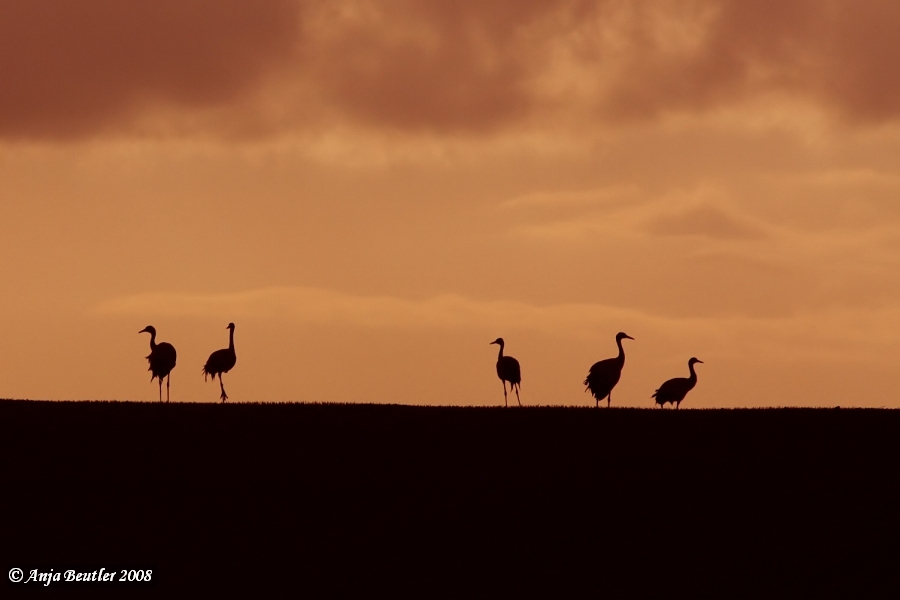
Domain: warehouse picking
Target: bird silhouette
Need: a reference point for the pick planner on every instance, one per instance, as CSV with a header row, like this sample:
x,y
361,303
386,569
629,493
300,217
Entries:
x,y
674,390
161,359
604,375
508,370
221,361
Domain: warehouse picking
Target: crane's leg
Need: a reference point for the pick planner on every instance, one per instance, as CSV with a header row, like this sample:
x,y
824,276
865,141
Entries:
x,y
224,396
505,403
608,398
517,394
168,381
678,405
160,390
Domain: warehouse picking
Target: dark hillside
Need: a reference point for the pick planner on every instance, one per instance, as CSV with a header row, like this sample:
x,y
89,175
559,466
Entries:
x,y
334,499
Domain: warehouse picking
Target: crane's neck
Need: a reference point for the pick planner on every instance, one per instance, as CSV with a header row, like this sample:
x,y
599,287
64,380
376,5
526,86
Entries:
x,y
152,340
621,357
500,354
693,377
231,339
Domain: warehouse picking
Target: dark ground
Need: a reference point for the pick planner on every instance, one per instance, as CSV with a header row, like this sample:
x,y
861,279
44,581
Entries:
x,y
338,500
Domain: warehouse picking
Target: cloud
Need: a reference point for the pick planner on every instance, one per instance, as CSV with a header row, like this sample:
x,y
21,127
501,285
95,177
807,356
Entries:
x,y
707,221
433,65
628,210
835,53
78,68
74,68
612,196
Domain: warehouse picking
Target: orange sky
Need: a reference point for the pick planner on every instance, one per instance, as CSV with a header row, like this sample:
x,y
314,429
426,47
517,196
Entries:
x,y
374,191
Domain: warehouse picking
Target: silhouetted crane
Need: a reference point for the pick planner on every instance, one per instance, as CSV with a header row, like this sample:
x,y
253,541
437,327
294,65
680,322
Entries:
x,y
508,370
674,390
221,361
604,375
161,359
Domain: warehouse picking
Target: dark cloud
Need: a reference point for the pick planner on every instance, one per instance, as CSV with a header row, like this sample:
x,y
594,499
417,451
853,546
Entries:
x,y
438,64
839,53
74,68
860,59
473,66
479,65
706,221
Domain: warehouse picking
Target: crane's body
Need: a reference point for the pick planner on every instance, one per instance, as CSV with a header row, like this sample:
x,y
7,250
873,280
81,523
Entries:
x,y
605,374
674,390
508,369
162,360
221,361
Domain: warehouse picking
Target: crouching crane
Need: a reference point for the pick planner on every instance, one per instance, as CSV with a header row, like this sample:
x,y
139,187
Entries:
x,y
674,390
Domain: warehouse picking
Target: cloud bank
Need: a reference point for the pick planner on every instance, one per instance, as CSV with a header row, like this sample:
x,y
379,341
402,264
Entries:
x,y
74,69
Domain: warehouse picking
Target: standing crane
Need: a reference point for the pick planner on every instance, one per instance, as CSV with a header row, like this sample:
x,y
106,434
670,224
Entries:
x,y
508,370
674,390
605,374
221,361
161,359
